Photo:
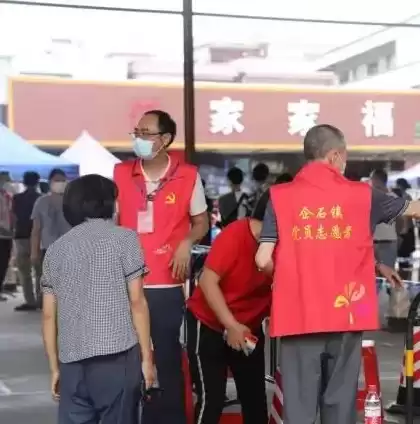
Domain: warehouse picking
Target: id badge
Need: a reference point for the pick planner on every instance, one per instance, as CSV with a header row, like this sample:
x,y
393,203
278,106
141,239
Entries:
x,y
145,224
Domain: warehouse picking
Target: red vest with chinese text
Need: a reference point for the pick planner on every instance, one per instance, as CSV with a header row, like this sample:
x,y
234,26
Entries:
x,y
324,278
171,217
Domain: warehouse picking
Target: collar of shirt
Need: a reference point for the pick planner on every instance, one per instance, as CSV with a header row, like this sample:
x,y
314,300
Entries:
x,y
147,177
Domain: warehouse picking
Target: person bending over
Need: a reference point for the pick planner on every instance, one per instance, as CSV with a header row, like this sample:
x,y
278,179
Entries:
x,y
229,305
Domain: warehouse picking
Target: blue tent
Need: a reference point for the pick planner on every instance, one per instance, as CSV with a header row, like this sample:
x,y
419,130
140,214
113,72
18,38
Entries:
x,y
18,156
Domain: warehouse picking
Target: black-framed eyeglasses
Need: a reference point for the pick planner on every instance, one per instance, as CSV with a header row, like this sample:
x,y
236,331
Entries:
x,y
136,133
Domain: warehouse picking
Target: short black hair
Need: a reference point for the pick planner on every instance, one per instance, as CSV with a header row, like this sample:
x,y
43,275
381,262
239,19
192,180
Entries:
x,y
87,197
380,175
31,179
320,140
165,123
284,178
235,175
259,210
55,172
402,182
260,173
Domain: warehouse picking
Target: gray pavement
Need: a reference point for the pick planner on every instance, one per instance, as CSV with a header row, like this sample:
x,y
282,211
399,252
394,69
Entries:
x,y
24,381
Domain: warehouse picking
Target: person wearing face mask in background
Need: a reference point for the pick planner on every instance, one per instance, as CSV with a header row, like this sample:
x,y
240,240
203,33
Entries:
x,y
48,222
163,200
22,207
6,229
317,236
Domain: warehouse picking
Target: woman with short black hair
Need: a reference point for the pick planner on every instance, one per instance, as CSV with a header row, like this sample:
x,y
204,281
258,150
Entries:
x,y
93,299
89,197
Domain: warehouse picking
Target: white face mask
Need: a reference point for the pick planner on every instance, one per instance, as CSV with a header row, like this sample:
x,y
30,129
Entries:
x,y
144,148
58,187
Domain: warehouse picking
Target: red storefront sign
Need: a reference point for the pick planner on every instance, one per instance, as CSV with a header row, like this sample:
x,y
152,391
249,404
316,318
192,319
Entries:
x,y
228,116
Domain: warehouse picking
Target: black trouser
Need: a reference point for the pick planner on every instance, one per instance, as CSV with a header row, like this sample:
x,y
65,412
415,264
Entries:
x,y
102,389
166,307
5,252
210,358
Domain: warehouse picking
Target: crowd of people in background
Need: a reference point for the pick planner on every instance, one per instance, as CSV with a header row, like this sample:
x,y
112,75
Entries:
x,y
30,222
79,245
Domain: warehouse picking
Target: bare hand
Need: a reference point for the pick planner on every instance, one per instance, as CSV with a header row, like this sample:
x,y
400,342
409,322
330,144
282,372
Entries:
x,y
264,258
268,269
389,274
181,261
55,389
235,336
149,373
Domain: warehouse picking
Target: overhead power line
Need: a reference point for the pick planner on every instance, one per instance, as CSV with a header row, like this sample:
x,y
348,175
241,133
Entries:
x,y
211,15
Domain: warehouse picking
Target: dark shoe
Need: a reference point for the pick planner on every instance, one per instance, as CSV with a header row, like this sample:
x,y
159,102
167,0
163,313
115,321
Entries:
x,y
10,288
26,307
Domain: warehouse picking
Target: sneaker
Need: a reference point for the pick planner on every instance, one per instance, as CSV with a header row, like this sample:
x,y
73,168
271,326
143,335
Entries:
x,y
3,298
26,307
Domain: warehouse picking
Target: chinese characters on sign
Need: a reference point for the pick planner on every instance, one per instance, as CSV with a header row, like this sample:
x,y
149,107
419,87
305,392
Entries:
x,y
302,116
313,227
225,116
378,119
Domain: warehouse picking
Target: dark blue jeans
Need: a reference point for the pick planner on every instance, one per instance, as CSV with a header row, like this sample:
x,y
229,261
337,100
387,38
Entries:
x,y
102,389
166,307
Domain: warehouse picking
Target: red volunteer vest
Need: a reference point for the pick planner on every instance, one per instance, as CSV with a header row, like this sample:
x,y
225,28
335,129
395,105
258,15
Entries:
x,y
171,217
324,279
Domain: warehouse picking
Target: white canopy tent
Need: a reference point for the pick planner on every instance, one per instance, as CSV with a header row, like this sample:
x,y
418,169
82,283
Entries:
x,y
91,156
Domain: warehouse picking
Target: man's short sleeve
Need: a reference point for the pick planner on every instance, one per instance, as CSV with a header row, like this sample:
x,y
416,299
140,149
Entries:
x,y
198,203
223,252
269,232
47,282
132,257
37,209
386,208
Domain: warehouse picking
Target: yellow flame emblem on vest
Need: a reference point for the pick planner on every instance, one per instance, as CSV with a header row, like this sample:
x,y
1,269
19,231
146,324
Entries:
x,y
170,199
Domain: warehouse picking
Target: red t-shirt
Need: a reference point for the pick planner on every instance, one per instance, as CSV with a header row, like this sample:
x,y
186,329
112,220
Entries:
x,y
247,291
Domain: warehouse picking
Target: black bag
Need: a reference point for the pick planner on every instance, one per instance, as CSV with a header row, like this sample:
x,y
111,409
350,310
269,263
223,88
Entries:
x,y
233,215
